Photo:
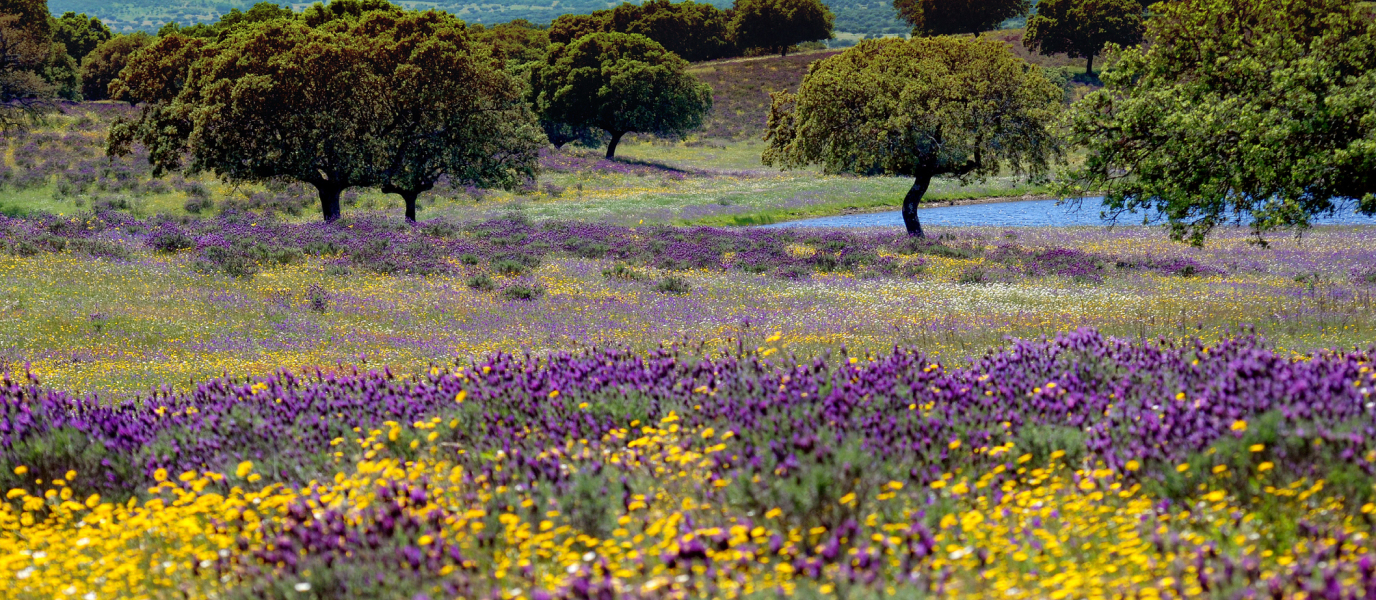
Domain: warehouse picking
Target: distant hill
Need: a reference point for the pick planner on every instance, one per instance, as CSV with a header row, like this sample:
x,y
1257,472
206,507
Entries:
x,y
864,17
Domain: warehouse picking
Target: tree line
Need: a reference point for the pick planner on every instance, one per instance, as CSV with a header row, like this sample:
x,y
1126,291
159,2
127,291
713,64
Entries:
x,y
1259,110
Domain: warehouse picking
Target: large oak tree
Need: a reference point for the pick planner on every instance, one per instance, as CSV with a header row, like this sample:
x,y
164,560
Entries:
x,y
1081,28
921,108
1254,111
779,24
619,83
25,48
452,112
373,98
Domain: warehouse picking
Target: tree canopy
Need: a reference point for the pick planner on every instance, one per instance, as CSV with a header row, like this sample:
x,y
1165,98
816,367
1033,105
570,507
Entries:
x,y
920,108
1260,112
953,17
80,34
103,64
258,13
619,83
386,98
156,73
691,30
452,111
1081,28
517,43
24,50
779,24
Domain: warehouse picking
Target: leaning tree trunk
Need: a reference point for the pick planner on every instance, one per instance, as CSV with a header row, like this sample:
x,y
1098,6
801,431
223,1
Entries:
x,y
611,146
910,202
329,199
1089,66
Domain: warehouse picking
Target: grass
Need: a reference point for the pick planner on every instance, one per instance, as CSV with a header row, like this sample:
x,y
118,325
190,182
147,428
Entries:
x,y
120,327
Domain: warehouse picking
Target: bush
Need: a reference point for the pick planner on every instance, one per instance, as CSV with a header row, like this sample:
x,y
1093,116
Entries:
x,y
523,291
673,285
317,298
234,264
481,282
100,248
199,204
623,272
171,242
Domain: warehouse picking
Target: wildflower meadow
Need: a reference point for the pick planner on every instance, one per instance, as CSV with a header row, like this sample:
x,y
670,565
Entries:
x,y
358,300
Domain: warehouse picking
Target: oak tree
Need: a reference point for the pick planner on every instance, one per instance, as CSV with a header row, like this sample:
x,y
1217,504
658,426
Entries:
x,y
1081,28
451,111
1258,112
80,34
921,108
103,64
24,49
619,83
779,24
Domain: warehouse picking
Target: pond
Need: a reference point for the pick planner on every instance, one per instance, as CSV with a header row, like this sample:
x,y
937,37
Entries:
x,y
1026,213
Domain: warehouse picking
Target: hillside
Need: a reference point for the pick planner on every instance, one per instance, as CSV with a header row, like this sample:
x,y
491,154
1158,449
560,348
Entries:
x,y
852,16
741,87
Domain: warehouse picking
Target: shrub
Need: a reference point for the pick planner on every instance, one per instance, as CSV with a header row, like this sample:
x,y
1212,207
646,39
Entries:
x,y
523,291
673,285
623,272
481,282
317,298
171,242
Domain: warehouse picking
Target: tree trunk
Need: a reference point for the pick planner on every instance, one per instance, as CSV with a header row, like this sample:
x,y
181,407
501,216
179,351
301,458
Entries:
x,y
409,195
410,198
611,147
919,189
329,199
1089,66
783,52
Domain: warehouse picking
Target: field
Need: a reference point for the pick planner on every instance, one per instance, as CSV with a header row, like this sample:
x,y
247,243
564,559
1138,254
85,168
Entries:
x,y
601,386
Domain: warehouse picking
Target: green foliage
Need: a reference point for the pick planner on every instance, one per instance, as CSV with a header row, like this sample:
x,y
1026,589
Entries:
x,y
1081,28
157,73
952,17
517,43
623,272
80,34
1259,111
451,110
940,106
673,284
482,282
103,64
779,24
523,291
25,50
369,96
619,83
345,10
259,13
62,72
691,30
922,108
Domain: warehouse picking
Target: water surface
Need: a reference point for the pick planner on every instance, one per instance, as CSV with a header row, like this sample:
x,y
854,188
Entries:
x,y
1026,213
